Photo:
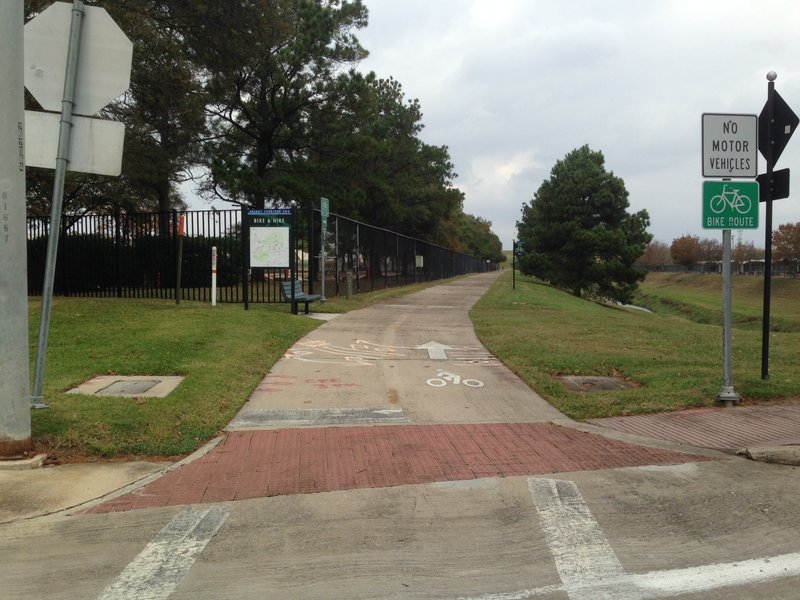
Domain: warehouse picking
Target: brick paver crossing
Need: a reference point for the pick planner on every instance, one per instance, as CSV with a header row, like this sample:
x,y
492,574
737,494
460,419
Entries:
x,y
260,463
718,428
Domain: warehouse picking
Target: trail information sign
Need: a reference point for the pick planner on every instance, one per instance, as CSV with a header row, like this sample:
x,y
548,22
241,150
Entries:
x,y
730,205
269,237
730,145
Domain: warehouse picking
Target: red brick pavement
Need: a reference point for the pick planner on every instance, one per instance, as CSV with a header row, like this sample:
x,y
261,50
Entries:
x,y
254,464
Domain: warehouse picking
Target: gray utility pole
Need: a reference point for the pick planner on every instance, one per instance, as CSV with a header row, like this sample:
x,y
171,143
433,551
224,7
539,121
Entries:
x,y
62,160
15,412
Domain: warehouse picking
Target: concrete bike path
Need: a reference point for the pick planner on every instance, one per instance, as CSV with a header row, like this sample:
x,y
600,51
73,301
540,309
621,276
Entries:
x,y
397,393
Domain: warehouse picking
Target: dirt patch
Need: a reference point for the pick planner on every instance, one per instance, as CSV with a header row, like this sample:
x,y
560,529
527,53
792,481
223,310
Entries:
x,y
594,383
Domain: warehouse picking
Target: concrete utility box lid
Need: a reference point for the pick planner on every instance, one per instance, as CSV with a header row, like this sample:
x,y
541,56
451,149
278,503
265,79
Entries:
x,y
129,386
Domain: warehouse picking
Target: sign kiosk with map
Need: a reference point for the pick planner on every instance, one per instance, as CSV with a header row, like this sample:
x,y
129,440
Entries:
x,y
270,239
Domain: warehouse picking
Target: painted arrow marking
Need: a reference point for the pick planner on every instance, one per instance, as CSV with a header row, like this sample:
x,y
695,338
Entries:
x,y
436,351
588,567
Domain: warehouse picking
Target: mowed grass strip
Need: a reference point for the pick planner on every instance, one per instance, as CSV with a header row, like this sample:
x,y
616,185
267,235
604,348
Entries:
x,y
698,297
676,362
223,351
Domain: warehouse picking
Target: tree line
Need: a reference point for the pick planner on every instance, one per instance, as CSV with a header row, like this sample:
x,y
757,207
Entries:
x,y
576,233
259,103
692,250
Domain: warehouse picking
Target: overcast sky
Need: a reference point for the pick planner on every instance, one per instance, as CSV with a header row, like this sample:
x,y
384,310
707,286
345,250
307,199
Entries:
x,y
512,86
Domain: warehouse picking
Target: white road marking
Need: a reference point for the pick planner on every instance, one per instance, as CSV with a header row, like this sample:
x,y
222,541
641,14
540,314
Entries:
x,y
662,584
365,353
446,376
589,568
584,559
159,568
436,350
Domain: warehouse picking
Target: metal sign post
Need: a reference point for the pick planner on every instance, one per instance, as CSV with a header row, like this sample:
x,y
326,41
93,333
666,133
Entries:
x,y
98,65
777,124
727,205
726,394
324,208
62,160
517,249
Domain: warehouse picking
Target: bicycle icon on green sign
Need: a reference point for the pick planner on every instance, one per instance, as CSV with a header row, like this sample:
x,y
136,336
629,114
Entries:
x,y
730,198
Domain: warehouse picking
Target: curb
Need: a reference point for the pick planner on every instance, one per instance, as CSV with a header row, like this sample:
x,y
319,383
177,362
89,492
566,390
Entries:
x,y
782,455
23,464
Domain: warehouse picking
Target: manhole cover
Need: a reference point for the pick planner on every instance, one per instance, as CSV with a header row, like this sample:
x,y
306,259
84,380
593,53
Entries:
x,y
128,388
593,383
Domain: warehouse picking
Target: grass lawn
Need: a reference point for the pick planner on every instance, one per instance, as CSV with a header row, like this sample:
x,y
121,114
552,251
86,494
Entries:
x,y
674,354
699,298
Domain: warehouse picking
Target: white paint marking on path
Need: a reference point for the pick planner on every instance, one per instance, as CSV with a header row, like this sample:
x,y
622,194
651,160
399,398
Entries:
x,y
520,595
159,568
661,584
436,350
584,559
589,568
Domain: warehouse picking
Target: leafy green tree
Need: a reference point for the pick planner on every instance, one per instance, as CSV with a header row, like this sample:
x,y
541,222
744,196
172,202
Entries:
x,y
164,108
256,95
477,238
272,68
365,151
163,112
578,233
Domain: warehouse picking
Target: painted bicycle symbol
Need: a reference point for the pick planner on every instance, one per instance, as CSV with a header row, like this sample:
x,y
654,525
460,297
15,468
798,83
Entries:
x,y
732,198
445,377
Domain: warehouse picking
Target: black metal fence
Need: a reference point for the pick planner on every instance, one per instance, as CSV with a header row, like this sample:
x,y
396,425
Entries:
x,y
135,255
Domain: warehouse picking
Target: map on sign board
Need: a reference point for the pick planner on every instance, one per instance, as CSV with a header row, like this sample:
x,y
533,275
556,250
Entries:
x,y
269,247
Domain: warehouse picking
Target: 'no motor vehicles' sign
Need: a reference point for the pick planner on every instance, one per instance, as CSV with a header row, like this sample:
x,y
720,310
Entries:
x,y
730,145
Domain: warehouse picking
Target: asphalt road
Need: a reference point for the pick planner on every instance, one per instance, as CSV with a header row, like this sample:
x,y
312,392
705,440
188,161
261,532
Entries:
x,y
714,526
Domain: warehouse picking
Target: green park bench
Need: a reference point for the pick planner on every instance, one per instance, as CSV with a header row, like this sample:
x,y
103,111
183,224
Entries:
x,y
299,294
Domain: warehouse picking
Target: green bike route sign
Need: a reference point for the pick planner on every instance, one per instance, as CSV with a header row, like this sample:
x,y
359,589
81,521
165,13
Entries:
x,y
730,205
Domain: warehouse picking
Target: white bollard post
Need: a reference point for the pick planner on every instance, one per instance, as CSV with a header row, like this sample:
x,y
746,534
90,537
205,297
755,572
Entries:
x,y
213,276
